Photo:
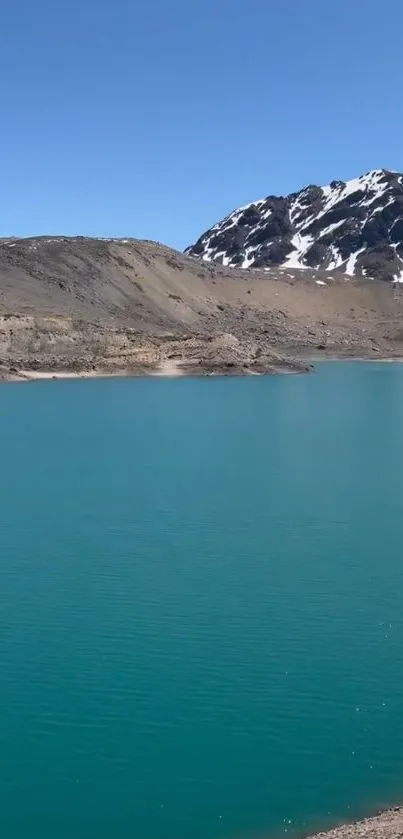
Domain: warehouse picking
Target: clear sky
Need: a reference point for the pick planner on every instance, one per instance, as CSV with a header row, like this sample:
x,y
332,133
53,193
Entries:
x,y
154,118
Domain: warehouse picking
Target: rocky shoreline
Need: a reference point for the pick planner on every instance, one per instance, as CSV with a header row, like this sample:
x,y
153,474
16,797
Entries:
x,y
163,370
46,348
28,370
387,824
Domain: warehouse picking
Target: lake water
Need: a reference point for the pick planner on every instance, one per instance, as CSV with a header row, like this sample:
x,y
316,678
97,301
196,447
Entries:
x,y
201,625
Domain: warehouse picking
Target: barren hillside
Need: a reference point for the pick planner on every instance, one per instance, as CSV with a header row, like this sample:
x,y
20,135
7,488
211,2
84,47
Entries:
x,y
78,304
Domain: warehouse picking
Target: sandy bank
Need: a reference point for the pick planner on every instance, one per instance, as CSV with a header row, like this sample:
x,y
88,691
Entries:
x,y
169,368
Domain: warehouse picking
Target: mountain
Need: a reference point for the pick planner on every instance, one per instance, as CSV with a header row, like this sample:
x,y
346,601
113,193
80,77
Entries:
x,y
354,227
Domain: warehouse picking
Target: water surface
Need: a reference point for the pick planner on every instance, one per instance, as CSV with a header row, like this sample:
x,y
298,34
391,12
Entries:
x,y
200,604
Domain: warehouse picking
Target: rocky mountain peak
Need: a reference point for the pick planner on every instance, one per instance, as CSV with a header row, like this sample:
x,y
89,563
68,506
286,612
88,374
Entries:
x,y
353,227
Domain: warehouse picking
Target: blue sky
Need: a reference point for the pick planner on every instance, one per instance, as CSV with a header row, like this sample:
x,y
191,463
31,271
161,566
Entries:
x,y
154,119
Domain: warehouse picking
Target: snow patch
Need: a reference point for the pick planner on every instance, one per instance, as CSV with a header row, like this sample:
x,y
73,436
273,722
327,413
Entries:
x,y
336,259
331,227
222,255
301,245
351,262
268,213
249,257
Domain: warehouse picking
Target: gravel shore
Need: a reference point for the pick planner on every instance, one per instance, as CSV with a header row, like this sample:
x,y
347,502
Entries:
x,y
385,825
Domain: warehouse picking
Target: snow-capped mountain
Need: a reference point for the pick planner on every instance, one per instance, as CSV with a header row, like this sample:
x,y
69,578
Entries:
x,y
354,227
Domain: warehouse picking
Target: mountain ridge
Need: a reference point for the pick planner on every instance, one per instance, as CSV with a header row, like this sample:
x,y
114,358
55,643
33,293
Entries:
x,y
353,227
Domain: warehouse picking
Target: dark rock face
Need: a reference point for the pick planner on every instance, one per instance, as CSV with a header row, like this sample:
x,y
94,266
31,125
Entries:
x,y
354,227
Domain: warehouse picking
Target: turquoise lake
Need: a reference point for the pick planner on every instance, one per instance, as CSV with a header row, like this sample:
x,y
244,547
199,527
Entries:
x,y
201,625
